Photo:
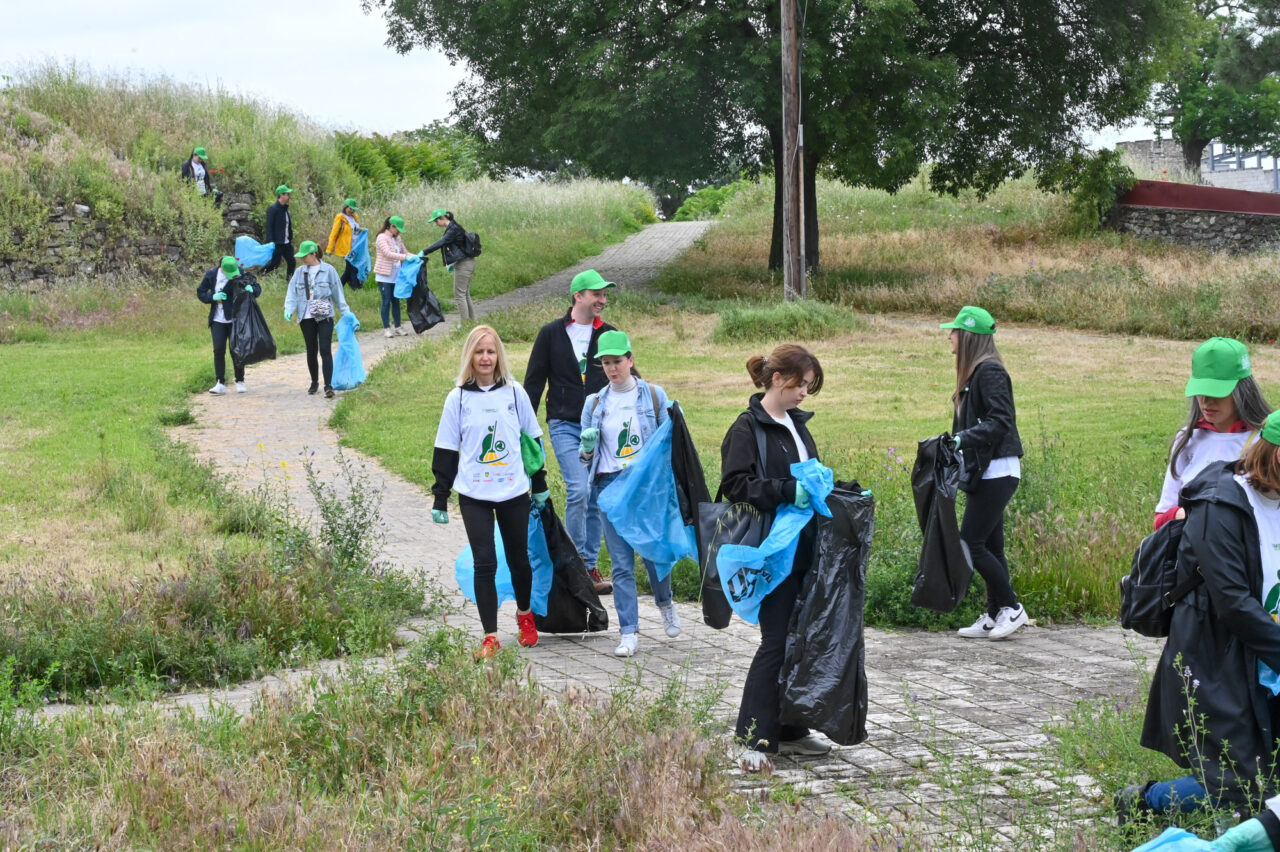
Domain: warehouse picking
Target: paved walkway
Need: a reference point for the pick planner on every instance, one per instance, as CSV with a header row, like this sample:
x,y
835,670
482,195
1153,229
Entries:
x,y
933,698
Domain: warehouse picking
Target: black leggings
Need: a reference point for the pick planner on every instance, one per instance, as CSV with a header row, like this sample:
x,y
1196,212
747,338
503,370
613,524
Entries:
x,y
221,337
319,337
513,522
983,530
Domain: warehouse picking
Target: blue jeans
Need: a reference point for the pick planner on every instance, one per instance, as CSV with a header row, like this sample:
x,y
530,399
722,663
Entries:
x,y
581,517
390,304
625,598
1184,795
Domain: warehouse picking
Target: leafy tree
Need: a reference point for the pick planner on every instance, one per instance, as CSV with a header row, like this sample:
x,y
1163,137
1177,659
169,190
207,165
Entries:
x,y
1222,84
673,91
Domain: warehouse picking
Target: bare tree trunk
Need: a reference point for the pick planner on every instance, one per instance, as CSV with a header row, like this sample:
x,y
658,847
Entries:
x,y
1192,151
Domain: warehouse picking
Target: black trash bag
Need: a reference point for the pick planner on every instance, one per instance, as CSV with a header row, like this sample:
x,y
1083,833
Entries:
x,y
945,568
251,340
720,524
824,680
691,492
572,604
424,307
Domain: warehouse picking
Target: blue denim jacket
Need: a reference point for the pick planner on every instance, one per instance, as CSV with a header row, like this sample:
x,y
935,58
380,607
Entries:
x,y
597,404
327,285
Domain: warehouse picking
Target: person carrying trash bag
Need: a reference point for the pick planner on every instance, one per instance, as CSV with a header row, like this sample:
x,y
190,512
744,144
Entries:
x,y
386,268
487,426
348,363
346,225
455,257
222,289
787,376
617,422
314,292
1214,707
985,431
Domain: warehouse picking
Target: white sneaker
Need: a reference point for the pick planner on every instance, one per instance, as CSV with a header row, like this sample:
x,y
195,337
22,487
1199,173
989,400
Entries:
x,y
755,761
628,645
388,333
400,332
1008,620
670,620
980,629
241,388
808,744
219,388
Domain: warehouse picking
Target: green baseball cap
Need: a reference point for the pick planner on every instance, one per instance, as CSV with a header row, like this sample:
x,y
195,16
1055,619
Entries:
x,y
199,152
398,222
437,213
1270,428
588,280
972,319
616,343
308,247
229,266
1216,366
283,188
351,202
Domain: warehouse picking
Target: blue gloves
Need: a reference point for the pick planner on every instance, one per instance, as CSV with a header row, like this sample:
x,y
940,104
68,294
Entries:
x,y
587,443
248,288
802,497
957,440
288,316
440,516
219,297
540,499
1248,836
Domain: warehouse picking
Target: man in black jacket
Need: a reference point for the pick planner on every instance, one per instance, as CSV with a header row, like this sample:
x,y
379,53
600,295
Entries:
x,y
280,231
563,362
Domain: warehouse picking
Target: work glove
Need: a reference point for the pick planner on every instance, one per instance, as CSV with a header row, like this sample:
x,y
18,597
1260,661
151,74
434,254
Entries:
x,y
587,443
440,516
288,316
449,268
802,497
1248,836
248,288
540,499
219,297
956,438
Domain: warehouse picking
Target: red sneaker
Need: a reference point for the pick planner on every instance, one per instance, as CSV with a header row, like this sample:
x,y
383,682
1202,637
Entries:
x,y
603,586
488,648
528,630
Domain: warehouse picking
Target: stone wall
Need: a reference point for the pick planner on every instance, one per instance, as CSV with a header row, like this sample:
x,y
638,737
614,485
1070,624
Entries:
x,y
236,213
1234,232
1157,157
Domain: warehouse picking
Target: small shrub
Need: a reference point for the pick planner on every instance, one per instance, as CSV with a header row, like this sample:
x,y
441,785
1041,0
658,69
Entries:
x,y
707,202
806,320
176,417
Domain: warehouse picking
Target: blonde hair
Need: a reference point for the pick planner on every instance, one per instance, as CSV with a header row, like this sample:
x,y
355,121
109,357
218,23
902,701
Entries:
x,y
971,350
502,370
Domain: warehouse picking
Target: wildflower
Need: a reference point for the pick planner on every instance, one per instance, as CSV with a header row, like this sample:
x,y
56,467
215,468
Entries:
x,y
1195,684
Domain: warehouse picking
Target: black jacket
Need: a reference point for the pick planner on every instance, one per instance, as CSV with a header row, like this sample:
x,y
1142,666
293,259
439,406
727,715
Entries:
x,y
1218,632
554,366
740,480
453,245
189,173
279,225
986,421
234,291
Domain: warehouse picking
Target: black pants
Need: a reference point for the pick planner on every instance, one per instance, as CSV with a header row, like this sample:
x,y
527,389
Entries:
x,y
350,277
758,726
284,251
983,530
319,337
513,522
221,337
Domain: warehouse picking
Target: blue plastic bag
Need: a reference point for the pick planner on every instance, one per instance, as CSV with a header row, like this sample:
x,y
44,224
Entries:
x,y
359,254
641,504
747,574
1175,840
348,363
250,252
407,277
464,568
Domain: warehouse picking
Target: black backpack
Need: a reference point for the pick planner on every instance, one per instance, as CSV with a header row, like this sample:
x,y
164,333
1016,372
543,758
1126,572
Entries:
x,y
1148,594
473,244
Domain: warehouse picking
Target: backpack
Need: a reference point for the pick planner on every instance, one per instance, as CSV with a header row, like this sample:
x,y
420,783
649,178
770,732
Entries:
x,y
473,244
1148,594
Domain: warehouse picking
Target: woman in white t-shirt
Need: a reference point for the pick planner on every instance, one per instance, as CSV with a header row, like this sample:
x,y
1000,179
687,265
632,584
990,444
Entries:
x,y
617,422
477,453
1227,410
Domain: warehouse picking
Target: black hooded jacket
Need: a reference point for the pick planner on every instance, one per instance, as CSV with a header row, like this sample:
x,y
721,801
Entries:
x,y
985,421
1218,634
740,480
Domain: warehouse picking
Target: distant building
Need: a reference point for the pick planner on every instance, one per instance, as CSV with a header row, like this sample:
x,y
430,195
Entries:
x,y
1161,159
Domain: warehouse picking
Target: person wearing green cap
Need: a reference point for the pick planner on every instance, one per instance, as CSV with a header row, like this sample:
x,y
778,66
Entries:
x,y
1226,411
195,170
345,226
386,267
453,254
222,289
617,421
1221,662
314,292
280,231
985,428
564,363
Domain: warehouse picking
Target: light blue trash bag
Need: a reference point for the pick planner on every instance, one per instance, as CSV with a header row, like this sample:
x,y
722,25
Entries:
x,y
1176,840
250,252
464,568
747,574
348,363
407,277
359,254
641,504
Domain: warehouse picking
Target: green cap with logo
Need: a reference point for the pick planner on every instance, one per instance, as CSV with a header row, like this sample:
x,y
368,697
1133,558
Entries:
x,y
351,202
438,212
199,152
1271,428
613,343
307,247
397,222
229,266
588,280
1217,366
972,319
283,188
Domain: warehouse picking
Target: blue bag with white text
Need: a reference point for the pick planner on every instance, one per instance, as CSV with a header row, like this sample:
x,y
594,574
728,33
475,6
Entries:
x,y
250,252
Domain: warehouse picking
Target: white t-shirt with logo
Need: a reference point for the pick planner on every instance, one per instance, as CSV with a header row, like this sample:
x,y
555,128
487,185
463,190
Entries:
x,y
1266,513
219,315
1203,449
786,420
484,428
580,340
620,439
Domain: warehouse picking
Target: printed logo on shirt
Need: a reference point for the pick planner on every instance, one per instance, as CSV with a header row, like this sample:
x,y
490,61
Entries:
x,y
628,441
582,369
493,449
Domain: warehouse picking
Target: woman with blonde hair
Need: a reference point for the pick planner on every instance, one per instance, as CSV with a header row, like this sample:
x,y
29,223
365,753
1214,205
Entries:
x,y
477,453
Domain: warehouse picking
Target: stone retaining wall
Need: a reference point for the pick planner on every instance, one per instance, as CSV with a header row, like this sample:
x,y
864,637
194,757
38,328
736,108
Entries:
x,y
1234,232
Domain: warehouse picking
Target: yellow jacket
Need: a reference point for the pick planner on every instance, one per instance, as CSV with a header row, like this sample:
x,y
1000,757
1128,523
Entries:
x,y
340,236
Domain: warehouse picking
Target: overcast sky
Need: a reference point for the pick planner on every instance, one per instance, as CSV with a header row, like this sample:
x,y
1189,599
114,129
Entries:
x,y
324,58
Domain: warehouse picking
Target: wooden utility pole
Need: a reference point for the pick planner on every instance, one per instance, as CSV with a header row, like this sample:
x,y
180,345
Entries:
x,y
793,281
